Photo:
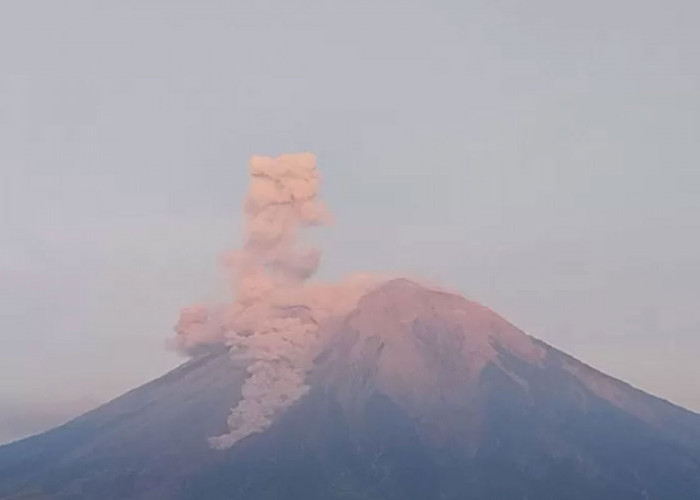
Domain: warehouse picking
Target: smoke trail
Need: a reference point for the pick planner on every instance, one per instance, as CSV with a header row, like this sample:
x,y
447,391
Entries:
x,y
274,322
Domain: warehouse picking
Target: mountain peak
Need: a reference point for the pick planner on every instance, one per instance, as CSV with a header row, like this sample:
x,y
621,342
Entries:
x,y
400,306
424,349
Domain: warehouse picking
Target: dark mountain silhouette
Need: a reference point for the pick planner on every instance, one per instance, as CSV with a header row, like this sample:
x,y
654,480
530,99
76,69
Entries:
x,y
420,395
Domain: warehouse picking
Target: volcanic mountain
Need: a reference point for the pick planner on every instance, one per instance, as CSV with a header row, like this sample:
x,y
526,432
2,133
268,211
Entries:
x,y
418,395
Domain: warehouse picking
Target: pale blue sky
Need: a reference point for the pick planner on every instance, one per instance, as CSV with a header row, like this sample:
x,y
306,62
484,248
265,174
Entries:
x,y
541,157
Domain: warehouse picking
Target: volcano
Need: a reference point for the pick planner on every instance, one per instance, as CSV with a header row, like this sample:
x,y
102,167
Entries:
x,y
418,394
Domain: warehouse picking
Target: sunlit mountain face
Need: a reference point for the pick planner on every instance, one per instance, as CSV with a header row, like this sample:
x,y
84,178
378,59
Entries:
x,y
416,394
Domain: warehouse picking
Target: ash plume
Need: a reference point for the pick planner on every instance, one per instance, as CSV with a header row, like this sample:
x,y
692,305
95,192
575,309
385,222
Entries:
x,y
275,322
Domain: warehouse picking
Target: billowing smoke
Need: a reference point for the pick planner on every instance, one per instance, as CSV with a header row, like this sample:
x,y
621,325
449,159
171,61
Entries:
x,y
282,199
275,322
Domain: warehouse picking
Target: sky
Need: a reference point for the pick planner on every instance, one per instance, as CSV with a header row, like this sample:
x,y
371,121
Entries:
x,y
540,157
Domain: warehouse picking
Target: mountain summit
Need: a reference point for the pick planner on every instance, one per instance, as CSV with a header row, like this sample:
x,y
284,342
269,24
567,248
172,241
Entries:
x,y
417,394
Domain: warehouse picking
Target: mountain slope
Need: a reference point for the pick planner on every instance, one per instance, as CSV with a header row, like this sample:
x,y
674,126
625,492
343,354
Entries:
x,y
419,395
136,446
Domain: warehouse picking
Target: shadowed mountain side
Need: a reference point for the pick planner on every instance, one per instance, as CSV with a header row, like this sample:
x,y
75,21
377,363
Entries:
x,y
138,445
419,395
315,452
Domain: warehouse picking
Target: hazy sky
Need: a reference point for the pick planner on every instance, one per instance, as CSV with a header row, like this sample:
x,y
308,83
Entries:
x,y
541,157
